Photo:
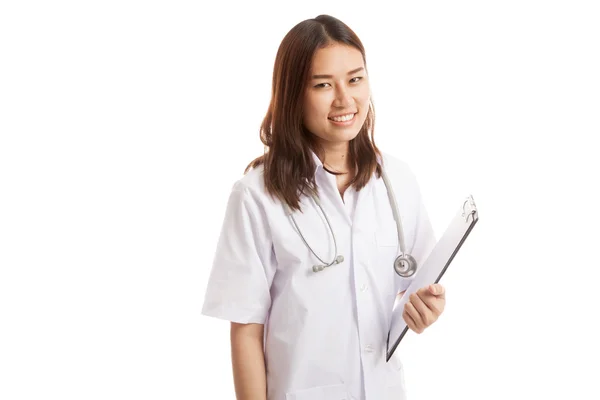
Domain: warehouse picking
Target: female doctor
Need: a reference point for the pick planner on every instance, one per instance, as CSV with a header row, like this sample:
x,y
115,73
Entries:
x,y
304,266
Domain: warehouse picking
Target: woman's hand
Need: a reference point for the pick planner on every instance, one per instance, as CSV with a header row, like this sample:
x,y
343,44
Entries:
x,y
424,307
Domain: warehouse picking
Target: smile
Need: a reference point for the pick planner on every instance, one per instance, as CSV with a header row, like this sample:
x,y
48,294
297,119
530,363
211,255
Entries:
x,y
343,118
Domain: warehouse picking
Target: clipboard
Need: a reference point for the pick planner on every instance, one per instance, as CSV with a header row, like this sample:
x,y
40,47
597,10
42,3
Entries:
x,y
434,267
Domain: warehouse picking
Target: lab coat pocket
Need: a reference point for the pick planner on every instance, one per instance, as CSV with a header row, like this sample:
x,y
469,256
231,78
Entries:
x,y
396,388
396,392
329,392
385,252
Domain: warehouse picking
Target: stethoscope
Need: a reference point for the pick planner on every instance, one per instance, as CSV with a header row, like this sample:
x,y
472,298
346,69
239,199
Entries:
x,y
405,265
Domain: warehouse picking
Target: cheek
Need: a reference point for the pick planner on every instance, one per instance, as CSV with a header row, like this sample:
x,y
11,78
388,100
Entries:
x,y
364,99
363,107
309,116
314,111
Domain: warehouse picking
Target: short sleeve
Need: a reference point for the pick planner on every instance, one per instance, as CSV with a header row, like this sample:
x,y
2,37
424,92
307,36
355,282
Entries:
x,y
424,238
238,288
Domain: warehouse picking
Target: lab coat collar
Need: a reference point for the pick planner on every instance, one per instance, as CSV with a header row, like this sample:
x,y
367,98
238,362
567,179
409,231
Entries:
x,y
317,161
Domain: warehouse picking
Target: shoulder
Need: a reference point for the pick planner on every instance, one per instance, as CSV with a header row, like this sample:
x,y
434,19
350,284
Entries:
x,y
397,168
253,180
251,187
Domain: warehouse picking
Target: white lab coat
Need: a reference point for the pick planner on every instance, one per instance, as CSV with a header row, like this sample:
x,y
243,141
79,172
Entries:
x,y
325,332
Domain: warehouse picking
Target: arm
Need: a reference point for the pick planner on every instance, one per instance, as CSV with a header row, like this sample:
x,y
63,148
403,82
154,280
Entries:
x,y
248,361
239,287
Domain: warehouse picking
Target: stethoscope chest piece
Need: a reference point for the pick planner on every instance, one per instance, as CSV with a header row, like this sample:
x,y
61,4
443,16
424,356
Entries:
x,y
405,265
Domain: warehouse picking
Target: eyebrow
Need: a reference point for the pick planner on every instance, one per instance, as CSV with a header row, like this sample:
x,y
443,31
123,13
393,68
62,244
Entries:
x,y
331,76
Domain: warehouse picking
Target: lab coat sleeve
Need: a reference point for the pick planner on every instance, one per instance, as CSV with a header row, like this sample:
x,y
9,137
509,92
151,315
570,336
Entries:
x,y
424,237
238,288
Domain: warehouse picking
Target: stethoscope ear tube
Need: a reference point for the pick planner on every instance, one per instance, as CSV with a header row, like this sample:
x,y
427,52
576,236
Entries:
x,y
405,265
395,213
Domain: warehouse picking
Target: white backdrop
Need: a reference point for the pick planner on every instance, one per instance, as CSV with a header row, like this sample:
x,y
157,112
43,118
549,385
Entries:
x,y
124,125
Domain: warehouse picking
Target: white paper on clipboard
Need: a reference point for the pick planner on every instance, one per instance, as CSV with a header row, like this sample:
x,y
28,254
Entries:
x,y
433,268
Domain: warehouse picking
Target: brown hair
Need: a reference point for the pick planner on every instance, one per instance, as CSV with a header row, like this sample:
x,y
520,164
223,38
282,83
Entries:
x,y
288,163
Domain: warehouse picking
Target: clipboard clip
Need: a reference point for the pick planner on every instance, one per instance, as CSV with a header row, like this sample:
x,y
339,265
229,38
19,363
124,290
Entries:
x,y
469,209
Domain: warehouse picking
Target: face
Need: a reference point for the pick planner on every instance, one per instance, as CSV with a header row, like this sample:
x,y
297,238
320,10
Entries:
x,y
336,99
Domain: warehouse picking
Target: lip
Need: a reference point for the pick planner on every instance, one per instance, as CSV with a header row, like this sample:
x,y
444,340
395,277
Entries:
x,y
341,114
343,123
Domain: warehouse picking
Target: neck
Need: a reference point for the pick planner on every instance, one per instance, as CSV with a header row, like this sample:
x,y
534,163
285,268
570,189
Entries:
x,y
336,157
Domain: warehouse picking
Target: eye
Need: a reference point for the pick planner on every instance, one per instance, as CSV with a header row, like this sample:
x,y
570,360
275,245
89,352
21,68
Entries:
x,y
356,79
321,85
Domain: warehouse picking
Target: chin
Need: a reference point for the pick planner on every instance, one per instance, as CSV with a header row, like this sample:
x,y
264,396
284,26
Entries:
x,y
342,136
351,136
345,134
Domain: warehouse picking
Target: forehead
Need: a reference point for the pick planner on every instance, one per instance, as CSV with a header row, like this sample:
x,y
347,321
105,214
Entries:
x,y
336,59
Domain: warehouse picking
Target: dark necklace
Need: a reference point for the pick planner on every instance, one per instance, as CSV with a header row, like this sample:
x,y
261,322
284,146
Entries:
x,y
333,173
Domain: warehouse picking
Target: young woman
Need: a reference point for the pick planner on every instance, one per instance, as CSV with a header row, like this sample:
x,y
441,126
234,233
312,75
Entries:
x,y
304,267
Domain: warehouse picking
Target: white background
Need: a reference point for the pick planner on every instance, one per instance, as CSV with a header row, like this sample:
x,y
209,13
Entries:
x,y
124,125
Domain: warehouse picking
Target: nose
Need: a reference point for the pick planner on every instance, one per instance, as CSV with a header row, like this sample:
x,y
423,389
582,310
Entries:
x,y
342,97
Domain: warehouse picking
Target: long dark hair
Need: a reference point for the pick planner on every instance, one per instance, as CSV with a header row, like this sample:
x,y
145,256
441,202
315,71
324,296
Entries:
x,y
288,163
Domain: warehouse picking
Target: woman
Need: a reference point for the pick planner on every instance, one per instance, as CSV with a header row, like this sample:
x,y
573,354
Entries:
x,y
299,332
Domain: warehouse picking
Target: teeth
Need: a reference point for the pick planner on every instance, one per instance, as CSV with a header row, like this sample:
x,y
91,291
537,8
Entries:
x,y
343,118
